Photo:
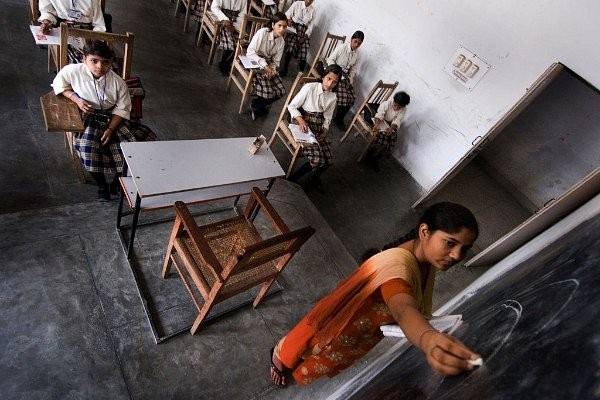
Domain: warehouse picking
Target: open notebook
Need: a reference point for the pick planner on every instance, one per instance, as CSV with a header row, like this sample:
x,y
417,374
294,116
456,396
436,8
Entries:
x,y
300,136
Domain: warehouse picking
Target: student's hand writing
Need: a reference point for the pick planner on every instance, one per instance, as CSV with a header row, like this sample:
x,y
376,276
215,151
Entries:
x,y
302,124
447,355
46,26
228,26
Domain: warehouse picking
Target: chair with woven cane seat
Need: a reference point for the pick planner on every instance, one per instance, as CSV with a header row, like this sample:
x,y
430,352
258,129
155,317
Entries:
x,y
329,43
242,77
225,258
380,93
282,129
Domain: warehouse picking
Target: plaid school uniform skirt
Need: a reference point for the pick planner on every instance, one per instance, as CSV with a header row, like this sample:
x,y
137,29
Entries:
x,y
319,153
386,141
227,40
345,93
197,11
94,156
272,88
293,46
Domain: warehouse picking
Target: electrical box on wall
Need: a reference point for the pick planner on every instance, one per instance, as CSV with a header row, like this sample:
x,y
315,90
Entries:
x,y
466,67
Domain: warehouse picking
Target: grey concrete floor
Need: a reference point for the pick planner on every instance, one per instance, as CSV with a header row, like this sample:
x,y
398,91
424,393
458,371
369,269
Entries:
x,y
72,322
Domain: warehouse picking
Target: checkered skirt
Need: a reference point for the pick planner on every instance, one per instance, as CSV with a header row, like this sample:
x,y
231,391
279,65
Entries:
x,y
345,93
268,88
299,51
227,40
319,153
94,156
386,141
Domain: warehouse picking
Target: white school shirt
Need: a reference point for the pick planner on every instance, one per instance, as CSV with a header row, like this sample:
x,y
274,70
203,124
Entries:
x,y
312,98
233,5
265,45
385,112
345,58
300,14
91,12
108,91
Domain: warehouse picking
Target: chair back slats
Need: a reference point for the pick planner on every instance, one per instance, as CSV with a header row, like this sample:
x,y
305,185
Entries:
x,y
329,43
113,39
219,260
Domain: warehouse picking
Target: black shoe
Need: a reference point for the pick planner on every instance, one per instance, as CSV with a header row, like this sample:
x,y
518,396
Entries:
x,y
340,126
104,194
316,182
115,188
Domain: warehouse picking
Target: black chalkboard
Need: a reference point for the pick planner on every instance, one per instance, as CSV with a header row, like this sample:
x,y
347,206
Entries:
x,y
537,328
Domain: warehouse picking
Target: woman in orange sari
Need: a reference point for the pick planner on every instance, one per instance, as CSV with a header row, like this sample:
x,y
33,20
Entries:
x,y
393,286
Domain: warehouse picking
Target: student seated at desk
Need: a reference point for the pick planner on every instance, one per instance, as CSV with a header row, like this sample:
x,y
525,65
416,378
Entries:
x,y
83,14
103,98
346,55
266,48
230,14
312,108
301,16
391,112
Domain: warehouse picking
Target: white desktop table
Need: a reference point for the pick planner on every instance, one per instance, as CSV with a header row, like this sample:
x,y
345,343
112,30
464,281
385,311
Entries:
x,y
158,173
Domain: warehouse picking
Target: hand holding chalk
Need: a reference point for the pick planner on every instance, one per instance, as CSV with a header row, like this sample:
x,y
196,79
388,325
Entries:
x,y
478,362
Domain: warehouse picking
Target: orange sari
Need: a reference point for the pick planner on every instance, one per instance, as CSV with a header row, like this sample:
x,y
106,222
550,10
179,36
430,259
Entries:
x,y
344,325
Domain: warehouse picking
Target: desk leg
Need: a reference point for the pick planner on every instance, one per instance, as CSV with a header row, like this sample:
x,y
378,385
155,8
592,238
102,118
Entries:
x,y
134,221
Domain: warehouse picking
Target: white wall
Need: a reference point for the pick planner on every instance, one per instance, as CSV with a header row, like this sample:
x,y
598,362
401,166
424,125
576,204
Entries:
x,y
411,41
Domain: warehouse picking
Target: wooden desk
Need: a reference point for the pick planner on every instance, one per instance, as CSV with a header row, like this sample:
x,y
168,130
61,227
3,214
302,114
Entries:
x,y
191,171
60,114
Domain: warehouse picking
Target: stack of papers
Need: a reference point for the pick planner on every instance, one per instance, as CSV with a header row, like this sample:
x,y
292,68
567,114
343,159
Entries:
x,y
446,323
300,136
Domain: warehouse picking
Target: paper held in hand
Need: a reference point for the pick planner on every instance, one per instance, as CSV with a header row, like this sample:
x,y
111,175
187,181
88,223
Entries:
x,y
300,136
383,126
247,62
445,323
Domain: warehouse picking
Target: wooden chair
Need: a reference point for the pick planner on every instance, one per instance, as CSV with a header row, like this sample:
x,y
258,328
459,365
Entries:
x,y
225,258
53,50
209,26
121,43
282,129
257,8
329,43
188,4
380,93
242,77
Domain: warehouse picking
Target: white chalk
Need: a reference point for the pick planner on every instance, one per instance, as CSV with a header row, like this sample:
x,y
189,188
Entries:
x,y
478,362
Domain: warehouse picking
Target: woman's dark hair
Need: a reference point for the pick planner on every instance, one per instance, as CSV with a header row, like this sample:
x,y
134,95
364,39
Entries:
x,y
445,216
97,48
278,16
334,68
402,99
358,35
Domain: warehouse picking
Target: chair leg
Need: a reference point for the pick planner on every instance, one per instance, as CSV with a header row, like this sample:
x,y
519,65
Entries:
x,y
263,291
201,317
372,137
247,91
